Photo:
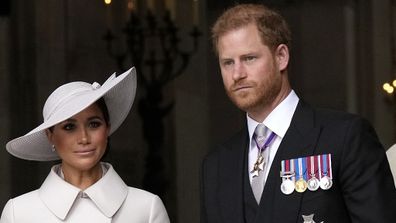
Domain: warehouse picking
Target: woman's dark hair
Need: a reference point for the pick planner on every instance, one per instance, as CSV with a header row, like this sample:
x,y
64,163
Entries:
x,y
103,107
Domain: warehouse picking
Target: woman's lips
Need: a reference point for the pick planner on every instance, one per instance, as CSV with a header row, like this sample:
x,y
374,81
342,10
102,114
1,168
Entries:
x,y
85,152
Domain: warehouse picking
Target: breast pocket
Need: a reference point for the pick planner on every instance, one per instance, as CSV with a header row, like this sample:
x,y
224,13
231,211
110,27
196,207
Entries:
x,y
326,206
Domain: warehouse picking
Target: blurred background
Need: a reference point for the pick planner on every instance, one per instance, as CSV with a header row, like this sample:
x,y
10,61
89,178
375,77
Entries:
x,y
343,54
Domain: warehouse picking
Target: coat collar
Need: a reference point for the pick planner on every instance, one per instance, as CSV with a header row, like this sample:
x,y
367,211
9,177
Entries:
x,y
108,193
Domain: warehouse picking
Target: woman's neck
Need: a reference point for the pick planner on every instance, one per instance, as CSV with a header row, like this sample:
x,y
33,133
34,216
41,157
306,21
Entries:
x,y
82,178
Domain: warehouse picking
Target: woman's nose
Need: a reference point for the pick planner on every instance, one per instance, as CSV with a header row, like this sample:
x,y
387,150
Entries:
x,y
84,136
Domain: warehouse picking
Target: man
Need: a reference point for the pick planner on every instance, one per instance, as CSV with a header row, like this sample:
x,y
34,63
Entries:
x,y
292,162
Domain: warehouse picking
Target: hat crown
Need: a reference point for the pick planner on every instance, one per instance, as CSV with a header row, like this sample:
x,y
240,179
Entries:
x,y
64,94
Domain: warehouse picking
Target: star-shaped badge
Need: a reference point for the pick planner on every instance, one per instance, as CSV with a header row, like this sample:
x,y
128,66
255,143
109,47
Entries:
x,y
309,218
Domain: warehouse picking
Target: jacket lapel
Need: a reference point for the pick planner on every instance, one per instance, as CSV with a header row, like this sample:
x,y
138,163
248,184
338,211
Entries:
x,y
58,203
231,175
300,141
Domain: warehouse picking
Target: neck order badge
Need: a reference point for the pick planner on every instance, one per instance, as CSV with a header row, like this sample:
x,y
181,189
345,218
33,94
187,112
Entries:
x,y
261,149
262,159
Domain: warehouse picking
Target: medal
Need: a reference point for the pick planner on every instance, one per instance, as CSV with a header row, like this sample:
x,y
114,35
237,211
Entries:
x,y
256,167
261,149
326,181
308,218
287,186
313,182
301,185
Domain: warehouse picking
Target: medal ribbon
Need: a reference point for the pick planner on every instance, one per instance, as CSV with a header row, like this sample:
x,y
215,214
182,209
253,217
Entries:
x,y
324,162
319,166
304,168
328,156
301,168
285,170
292,169
315,164
297,168
310,167
266,144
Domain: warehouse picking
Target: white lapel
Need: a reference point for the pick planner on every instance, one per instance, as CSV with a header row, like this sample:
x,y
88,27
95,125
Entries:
x,y
108,194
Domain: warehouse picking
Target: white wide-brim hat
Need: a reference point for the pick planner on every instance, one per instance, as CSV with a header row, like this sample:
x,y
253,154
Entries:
x,y
68,100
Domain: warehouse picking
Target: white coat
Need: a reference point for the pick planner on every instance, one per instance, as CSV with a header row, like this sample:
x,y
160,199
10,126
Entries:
x,y
391,154
108,200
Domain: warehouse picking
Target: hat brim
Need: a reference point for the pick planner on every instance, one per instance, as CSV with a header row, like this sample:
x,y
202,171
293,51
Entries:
x,y
118,92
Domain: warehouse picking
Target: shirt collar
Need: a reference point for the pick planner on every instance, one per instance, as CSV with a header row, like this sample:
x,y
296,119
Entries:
x,y
279,119
108,193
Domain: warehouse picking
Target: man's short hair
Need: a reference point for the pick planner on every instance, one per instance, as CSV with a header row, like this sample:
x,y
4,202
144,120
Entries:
x,y
272,27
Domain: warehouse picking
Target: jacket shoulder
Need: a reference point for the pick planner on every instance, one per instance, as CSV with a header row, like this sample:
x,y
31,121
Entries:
x,y
26,199
333,120
238,138
19,208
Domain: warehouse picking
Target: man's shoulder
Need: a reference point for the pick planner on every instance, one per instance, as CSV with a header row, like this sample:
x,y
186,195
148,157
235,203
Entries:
x,y
330,116
229,145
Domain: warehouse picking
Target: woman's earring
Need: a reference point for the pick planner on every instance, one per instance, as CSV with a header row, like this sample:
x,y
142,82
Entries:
x,y
53,148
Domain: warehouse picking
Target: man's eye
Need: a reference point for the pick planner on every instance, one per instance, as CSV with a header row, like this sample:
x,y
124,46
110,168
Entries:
x,y
227,62
250,58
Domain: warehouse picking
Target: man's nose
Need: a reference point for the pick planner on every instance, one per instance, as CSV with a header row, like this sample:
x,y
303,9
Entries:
x,y
239,71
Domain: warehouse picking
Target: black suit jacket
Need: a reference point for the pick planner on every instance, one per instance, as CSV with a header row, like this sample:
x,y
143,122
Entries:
x,y
362,191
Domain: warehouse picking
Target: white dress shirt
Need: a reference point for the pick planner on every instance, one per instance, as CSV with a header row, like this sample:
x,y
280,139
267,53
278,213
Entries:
x,y
278,121
108,200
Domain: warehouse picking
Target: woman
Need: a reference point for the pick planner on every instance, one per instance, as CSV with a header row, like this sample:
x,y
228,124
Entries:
x,y
78,118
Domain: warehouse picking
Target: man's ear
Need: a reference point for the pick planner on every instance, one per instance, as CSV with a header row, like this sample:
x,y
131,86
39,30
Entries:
x,y
282,56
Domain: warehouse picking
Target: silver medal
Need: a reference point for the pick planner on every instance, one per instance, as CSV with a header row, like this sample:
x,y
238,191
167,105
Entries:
x,y
313,184
287,186
325,183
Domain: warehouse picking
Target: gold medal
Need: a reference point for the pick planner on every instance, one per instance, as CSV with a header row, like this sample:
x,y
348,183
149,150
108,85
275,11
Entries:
x,y
301,185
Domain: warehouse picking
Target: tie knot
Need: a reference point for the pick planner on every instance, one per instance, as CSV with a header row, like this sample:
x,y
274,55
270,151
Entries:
x,y
260,132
